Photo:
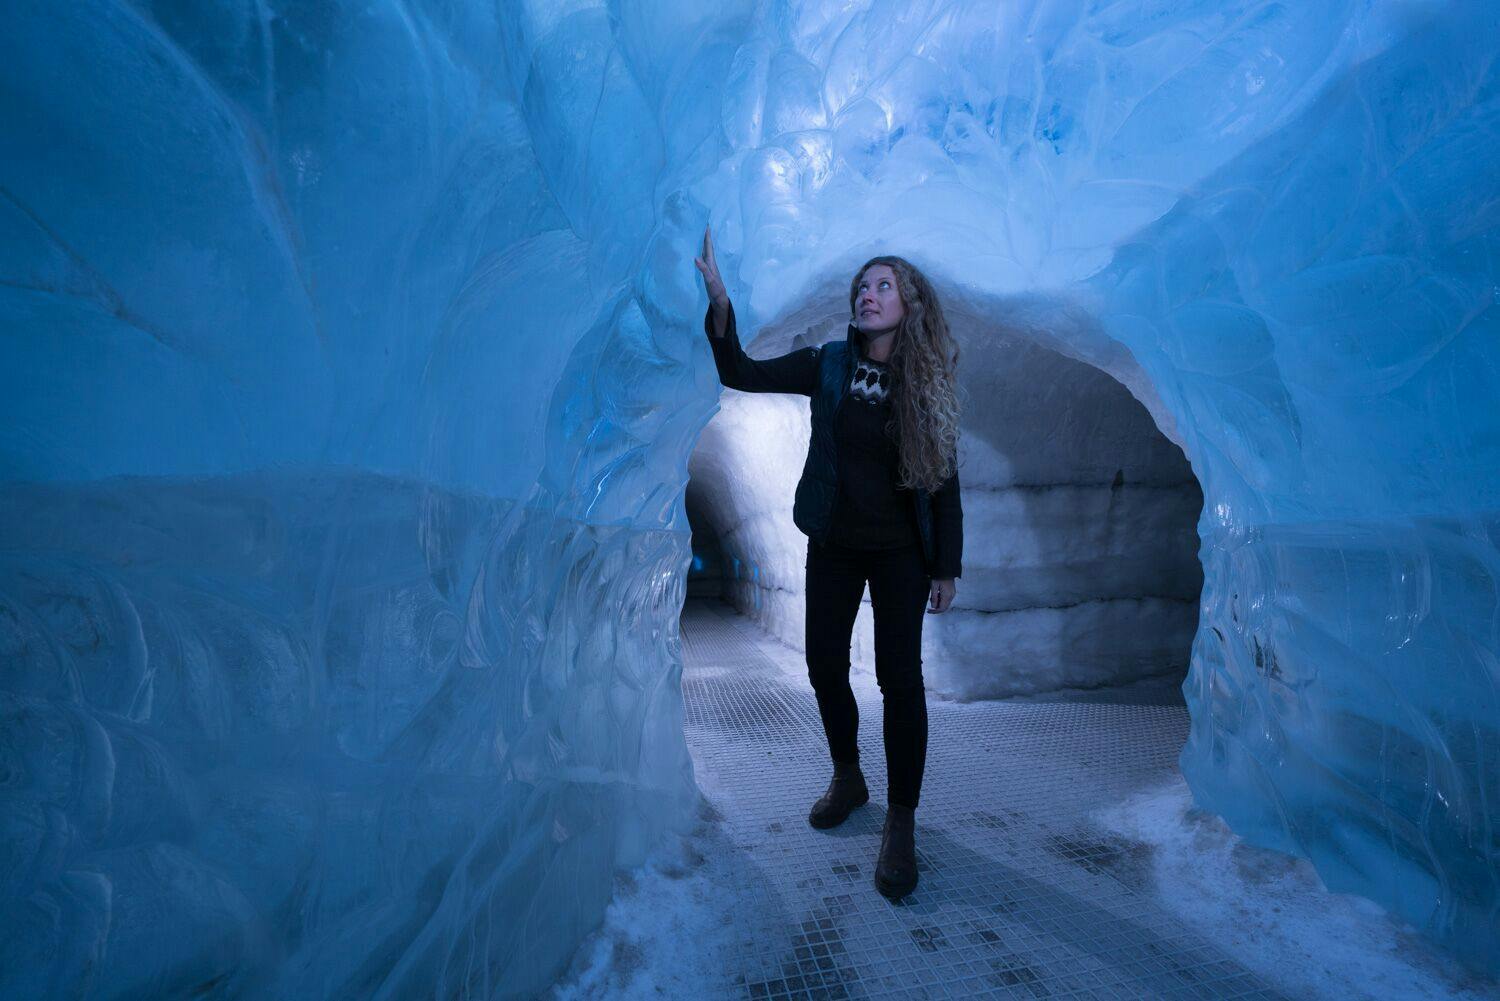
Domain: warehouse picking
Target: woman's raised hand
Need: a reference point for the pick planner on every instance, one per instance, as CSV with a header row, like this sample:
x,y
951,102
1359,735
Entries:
x,y
718,298
709,268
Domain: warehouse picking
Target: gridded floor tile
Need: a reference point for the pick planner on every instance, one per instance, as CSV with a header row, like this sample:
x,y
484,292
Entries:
x,y
1019,897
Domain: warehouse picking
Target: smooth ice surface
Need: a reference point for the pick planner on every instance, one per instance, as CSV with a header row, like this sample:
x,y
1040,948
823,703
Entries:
x,y
273,274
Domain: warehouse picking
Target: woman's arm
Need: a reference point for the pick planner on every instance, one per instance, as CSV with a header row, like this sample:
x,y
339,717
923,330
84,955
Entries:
x,y
796,372
948,530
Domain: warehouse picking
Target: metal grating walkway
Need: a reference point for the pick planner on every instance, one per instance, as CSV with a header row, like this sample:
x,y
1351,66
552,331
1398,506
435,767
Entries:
x,y
1018,896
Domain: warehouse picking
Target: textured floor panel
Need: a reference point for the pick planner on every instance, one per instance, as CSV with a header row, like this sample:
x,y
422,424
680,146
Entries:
x,y
1019,897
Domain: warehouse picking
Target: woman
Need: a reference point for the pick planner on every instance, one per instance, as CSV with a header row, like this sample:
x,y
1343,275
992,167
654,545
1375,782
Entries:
x,y
879,502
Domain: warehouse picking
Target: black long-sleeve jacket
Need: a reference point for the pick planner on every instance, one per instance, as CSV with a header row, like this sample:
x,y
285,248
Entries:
x,y
824,374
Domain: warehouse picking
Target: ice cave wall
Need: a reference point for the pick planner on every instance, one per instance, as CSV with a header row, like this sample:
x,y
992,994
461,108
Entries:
x,y
342,534
385,311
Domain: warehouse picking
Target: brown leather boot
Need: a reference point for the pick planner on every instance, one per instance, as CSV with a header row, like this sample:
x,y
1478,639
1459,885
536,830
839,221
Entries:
x,y
845,792
896,869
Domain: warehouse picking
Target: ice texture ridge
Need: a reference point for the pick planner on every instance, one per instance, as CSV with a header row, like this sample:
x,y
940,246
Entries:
x,y
352,363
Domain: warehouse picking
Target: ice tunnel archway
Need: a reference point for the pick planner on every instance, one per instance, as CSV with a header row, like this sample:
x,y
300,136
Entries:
x,y
1080,545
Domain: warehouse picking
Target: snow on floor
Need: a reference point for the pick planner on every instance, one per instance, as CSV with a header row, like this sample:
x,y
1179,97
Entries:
x,y
670,930
1272,913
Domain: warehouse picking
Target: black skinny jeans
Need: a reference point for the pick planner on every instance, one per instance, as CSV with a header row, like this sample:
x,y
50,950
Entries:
x,y
899,590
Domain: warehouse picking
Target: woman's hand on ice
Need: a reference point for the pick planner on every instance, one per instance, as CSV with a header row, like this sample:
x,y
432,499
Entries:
x,y
942,596
709,268
718,298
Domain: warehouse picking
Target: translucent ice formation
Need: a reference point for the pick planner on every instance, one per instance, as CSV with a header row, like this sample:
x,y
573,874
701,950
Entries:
x,y
352,363
342,551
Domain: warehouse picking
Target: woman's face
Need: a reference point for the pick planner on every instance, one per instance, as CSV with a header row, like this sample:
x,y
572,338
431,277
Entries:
x,y
877,301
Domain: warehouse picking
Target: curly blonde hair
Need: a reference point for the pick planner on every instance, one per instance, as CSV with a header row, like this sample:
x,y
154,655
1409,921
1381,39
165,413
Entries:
x,y
923,364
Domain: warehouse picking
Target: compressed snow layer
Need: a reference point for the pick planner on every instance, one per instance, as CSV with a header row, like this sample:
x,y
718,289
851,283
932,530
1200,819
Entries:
x,y
1080,562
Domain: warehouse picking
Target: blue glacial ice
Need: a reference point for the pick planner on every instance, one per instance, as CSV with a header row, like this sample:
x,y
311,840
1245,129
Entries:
x,y
352,365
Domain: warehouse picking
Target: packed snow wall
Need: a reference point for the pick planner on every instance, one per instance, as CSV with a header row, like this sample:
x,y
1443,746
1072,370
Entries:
x,y
1080,562
353,361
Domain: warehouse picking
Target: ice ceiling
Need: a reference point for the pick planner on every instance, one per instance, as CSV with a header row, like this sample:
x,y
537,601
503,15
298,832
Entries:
x,y
352,366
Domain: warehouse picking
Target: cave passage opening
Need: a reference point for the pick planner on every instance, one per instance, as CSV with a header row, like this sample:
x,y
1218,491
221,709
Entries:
x,y
1081,564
